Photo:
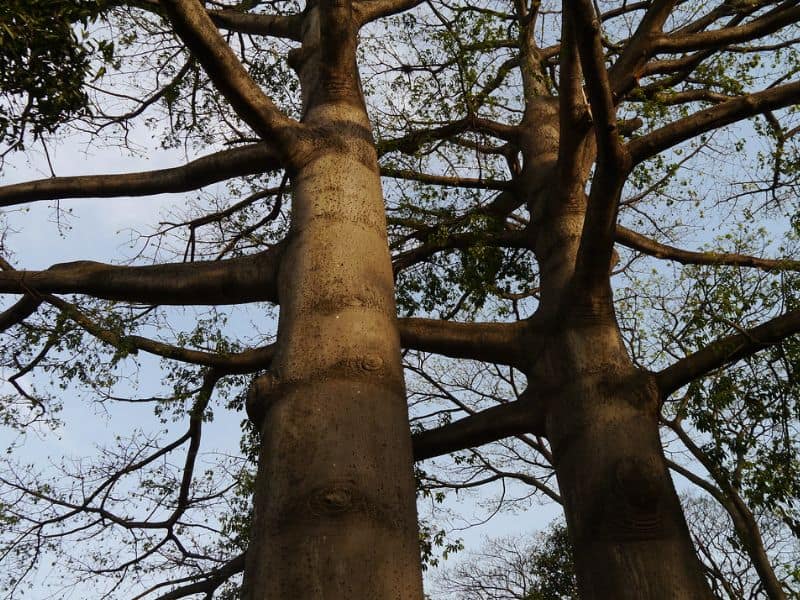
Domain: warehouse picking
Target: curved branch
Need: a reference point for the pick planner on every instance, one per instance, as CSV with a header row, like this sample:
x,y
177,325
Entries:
x,y
20,311
639,47
504,239
764,25
283,26
224,364
193,25
212,581
489,342
255,158
637,241
727,350
495,423
444,180
372,10
713,118
413,141
235,281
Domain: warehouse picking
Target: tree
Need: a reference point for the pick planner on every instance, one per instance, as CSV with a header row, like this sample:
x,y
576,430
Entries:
x,y
518,144
515,570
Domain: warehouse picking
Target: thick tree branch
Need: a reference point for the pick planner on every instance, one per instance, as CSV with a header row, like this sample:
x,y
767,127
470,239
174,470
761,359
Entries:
x,y
495,423
574,115
713,118
339,79
597,238
224,364
239,280
637,241
412,142
445,180
256,158
505,239
624,74
21,310
489,342
194,26
283,26
372,10
727,350
718,38
588,37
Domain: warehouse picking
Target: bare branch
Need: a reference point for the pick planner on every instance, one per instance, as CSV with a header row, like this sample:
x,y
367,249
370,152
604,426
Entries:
x,y
505,239
412,142
444,180
727,350
718,38
623,75
713,118
489,342
231,363
495,423
372,10
192,23
256,158
597,238
20,311
637,241
573,115
211,581
283,26
235,281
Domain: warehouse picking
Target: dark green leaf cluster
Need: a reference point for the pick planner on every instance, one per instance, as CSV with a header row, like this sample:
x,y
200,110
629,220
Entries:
x,y
553,567
46,56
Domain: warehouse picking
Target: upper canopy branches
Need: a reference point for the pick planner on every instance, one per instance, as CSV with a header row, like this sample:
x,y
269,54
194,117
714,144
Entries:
x,y
487,137
498,138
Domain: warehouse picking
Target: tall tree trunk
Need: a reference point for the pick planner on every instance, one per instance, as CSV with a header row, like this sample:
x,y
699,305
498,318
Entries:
x,y
334,511
334,505
623,514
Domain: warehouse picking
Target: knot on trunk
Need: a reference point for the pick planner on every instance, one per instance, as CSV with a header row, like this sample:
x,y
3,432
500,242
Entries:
x,y
333,499
638,513
260,395
639,481
371,362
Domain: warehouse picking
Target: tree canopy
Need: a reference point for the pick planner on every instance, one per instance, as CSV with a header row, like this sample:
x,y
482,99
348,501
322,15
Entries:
x,y
414,247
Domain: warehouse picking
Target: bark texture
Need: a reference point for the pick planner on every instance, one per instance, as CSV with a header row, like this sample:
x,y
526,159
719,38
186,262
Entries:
x,y
335,489
624,517
335,419
600,413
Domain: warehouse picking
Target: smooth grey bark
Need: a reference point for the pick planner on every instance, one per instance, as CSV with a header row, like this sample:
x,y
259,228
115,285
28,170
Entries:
x,y
335,490
335,503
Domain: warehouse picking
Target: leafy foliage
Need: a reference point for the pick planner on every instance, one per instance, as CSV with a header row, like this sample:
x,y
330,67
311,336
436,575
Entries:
x,y
46,56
